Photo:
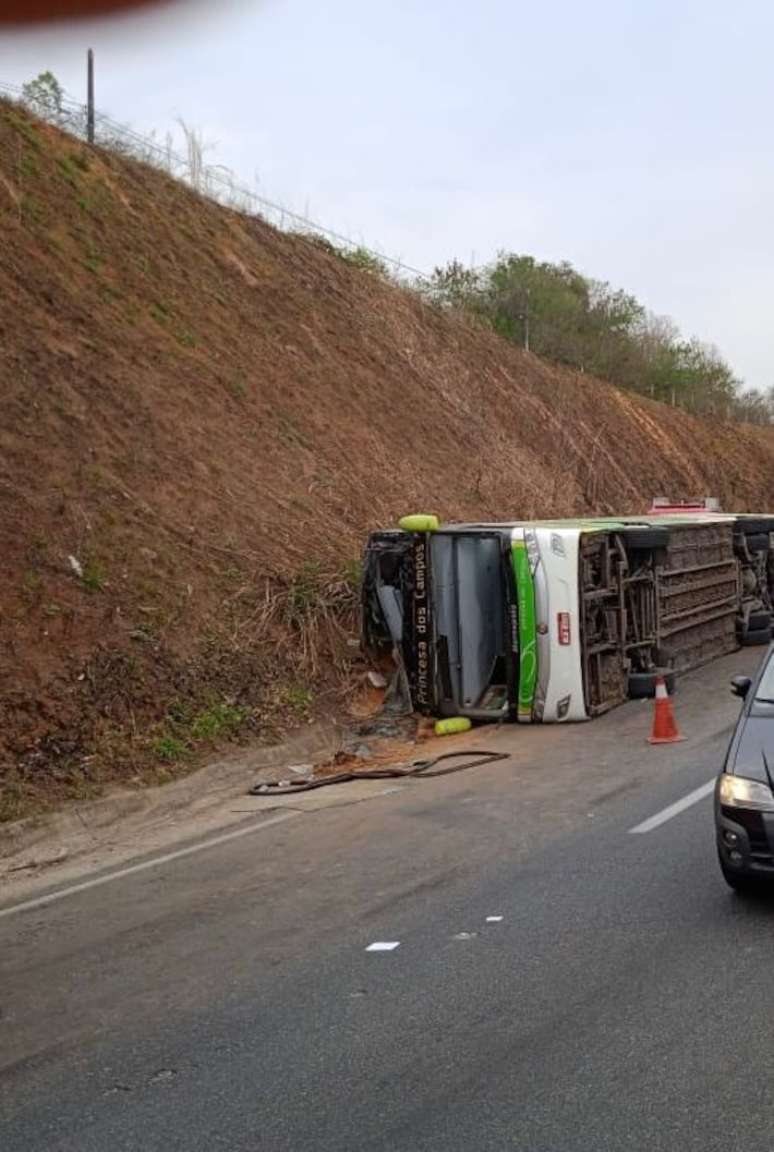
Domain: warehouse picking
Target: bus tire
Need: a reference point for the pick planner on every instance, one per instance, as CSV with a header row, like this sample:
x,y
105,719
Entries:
x,y
645,539
642,685
758,542
754,525
757,621
754,637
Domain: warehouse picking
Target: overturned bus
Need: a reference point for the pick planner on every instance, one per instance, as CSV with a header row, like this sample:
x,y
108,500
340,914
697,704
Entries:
x,y
562,620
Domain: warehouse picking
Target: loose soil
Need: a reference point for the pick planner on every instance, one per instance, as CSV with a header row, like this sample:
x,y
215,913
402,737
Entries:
x,y
201,418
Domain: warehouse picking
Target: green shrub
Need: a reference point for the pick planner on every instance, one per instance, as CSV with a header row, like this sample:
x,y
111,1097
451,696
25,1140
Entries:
x,y
365,260
94,577
169,749
215,722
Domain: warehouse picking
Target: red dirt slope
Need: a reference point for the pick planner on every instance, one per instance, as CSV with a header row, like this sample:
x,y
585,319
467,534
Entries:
x,y
207,416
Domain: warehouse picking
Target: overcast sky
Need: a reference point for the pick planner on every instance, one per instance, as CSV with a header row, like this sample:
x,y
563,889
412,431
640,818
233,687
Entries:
x,y
631,137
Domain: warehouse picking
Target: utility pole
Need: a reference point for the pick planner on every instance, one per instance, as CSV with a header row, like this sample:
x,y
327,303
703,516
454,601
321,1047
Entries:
x,y
90,97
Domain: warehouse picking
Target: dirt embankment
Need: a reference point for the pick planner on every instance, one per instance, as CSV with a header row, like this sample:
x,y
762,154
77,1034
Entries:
x,y
200,418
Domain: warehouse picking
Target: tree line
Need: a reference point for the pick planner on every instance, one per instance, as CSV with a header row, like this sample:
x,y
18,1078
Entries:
x,y
552,309
556,312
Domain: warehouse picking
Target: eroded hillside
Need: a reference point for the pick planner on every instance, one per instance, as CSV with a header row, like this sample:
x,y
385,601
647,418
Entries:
x,y
201,418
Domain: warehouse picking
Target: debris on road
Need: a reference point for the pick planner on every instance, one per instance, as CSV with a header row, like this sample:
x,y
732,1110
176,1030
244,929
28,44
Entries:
x,y
476,758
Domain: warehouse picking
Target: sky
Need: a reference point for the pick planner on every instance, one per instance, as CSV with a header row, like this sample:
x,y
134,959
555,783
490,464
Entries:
x,y
631,138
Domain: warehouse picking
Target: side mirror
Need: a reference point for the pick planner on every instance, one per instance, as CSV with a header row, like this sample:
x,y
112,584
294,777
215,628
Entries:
x,y
740,685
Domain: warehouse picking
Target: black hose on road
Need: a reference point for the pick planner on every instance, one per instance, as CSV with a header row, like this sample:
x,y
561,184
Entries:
x,y
425,768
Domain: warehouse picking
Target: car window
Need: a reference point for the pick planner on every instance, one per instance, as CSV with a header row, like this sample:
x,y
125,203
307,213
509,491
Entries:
x,y
765,689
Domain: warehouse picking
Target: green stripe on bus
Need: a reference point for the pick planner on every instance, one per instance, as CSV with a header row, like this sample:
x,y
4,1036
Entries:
x,y
525,597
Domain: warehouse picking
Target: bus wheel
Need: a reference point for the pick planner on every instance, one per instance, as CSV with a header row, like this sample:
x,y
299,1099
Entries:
x,y
642,685
755,636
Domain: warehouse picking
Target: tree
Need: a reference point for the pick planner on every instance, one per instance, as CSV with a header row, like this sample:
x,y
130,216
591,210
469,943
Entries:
x,y
456,286
704,383
610,335
539,305
754,406
44,96
657,339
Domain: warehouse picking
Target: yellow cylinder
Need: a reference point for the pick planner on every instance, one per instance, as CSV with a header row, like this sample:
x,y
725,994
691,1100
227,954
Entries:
x,y
419,523
452,725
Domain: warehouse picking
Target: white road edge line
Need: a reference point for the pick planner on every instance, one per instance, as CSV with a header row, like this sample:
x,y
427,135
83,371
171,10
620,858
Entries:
x,y
676,808
144,865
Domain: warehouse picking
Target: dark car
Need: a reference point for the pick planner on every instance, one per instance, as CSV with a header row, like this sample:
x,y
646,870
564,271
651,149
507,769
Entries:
x,y
744,794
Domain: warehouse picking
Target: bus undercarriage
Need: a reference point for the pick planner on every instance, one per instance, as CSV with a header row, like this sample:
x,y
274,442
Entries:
x,y
652,598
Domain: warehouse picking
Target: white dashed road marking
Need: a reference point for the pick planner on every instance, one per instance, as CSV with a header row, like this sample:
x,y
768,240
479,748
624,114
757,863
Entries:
x,y
493,919
144,865
676,808
383,946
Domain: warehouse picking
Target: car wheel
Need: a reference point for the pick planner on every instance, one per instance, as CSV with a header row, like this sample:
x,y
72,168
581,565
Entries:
x,y
642,685
741,882
754,637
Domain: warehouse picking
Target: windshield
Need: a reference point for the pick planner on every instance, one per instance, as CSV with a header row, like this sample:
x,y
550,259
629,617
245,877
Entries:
x,y
764,693
469,610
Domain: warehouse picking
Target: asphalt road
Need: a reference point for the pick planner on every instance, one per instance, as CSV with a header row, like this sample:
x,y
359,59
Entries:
x,y
226,999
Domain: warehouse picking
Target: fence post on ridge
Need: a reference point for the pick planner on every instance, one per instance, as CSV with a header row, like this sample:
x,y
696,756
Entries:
x,y
90,97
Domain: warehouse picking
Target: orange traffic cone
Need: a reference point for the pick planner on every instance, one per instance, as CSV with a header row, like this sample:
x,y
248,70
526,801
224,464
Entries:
x,y
664,725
